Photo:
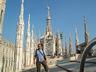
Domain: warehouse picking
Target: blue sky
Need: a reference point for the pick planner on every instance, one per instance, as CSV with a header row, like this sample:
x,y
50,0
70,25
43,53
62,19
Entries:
x,y
64,15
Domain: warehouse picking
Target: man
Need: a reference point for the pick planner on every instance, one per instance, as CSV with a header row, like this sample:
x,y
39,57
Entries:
x,y
40,58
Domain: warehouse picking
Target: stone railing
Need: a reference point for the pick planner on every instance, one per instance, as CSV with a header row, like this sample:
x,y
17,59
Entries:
x,y
6,56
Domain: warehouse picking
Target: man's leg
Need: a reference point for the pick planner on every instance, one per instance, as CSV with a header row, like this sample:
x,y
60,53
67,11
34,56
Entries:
x,y
38,65
45,66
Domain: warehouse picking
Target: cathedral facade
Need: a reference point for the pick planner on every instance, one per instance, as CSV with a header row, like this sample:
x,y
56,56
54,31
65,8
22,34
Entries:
x,y
52,44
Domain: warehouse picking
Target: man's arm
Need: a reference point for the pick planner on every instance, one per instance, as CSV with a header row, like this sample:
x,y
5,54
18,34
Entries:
x,y
46,59
34,59
45,56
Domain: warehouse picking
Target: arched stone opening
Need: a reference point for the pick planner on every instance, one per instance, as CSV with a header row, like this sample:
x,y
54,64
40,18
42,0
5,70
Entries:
x,y
85,53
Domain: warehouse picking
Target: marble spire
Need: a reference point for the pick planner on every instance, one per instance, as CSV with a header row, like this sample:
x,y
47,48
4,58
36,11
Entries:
x,y
86,31
32,32
22,10
28,31
28,44
2,13
76,36
66,48
2,49
48,21
48,17
19,40
58,44
76,39
32,47
70,46
2,58
39,37
63,50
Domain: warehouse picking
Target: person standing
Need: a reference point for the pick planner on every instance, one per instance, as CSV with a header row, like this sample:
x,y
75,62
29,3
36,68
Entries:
x,y
40,57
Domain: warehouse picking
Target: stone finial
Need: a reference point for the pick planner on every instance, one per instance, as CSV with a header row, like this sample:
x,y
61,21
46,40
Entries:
x,y
48,9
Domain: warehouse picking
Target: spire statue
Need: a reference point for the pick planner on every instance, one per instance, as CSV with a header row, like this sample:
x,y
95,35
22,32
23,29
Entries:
x,y
48,17
86,31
